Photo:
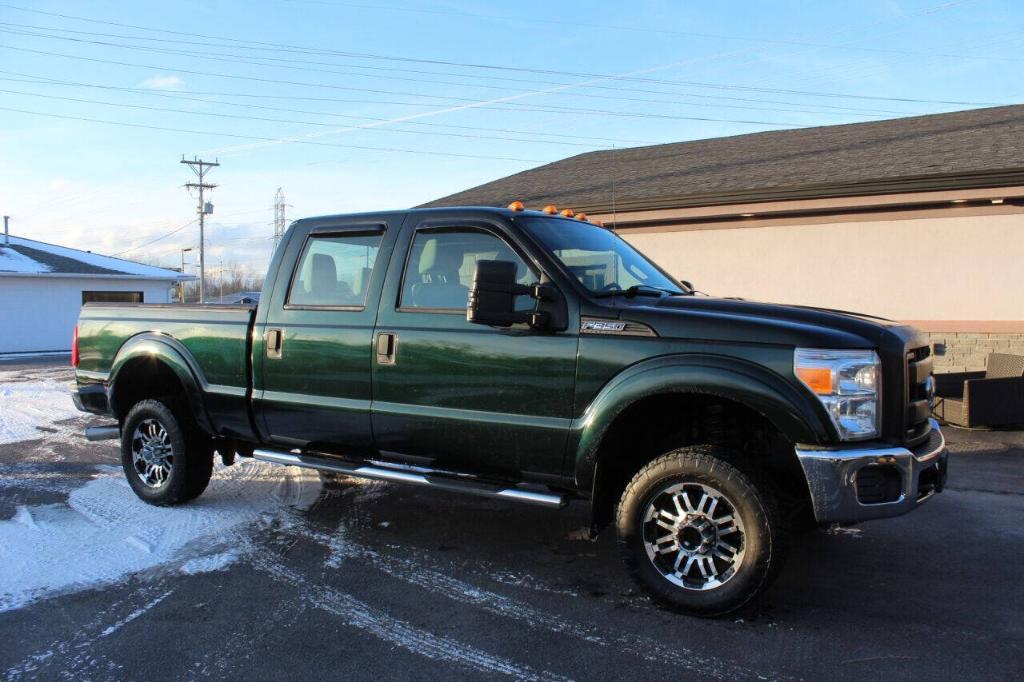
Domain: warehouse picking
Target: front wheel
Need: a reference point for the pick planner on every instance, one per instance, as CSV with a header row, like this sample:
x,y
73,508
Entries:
x,y
698,534
166,459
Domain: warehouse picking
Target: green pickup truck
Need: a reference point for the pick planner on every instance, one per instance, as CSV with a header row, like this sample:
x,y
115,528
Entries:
x,y
537,358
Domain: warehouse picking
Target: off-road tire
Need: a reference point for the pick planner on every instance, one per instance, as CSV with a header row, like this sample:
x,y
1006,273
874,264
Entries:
x,y
191,454
764,534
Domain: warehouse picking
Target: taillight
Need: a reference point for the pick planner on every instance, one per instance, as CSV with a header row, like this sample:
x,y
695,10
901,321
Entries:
x,y
74,349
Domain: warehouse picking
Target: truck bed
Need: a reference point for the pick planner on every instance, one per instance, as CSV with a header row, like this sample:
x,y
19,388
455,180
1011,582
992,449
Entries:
x,y
215,340
215,335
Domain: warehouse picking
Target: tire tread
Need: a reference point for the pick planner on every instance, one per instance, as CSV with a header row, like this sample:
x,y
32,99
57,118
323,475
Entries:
x,y
716,463
198,454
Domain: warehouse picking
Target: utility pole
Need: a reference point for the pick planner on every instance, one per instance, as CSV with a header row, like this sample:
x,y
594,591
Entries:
x,y
201,168
7,234
280,221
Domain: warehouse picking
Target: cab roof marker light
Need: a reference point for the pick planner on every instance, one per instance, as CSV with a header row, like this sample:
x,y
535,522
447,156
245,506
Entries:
x,y
568,212
550,209
516,206
581,216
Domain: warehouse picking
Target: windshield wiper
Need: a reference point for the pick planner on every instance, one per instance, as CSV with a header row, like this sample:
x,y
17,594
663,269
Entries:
x,y
638,290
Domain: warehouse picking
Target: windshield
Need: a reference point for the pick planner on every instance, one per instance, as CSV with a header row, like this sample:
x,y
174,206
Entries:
x,y
600,259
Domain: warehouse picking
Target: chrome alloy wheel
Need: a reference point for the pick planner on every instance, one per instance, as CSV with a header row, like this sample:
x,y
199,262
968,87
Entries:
x,y
693,536
151,453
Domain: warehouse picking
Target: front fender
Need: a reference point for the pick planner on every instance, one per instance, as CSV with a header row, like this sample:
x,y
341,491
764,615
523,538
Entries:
x,y
795,414
154,347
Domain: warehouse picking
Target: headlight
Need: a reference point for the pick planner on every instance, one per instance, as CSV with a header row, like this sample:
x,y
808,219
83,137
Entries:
x,y
848,384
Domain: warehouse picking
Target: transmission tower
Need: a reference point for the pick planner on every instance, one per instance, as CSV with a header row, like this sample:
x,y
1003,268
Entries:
x,y
201,168
280,219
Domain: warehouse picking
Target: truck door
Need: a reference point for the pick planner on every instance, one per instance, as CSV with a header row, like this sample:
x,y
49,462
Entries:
x,y
451,394
312,353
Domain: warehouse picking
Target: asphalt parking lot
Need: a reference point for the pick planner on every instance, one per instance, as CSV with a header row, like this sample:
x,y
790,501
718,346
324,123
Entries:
x,y
271,575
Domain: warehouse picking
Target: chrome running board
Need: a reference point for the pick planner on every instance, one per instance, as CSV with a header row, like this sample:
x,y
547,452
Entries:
x,y
413,475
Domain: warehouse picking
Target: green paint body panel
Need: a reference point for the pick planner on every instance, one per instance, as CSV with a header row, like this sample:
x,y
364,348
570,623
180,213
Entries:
x,y
467,397
318,393
206,347
507,403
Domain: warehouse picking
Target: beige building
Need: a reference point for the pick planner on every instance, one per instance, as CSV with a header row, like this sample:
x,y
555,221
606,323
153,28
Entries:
x,y
915,219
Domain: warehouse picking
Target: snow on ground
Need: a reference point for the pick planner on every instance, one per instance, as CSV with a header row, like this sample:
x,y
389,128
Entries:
x,y
104,532
25,406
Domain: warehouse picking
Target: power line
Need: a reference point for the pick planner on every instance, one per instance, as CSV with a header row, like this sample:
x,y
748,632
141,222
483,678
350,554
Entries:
x,y
496,67
312,123
315,50
616,88
264,60
155,240
472,103
280,120
646,30
255,138
183,95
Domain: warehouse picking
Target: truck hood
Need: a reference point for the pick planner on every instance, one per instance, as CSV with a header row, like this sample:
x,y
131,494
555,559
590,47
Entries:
x,y
725,319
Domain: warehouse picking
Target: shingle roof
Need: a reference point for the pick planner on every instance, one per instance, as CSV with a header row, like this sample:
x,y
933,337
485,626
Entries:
x,y
32,258
939,151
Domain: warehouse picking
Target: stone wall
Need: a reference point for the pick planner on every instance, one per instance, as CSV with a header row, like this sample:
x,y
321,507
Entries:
x,y
967,351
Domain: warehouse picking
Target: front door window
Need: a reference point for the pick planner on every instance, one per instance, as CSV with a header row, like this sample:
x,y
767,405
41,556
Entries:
x,y
441,264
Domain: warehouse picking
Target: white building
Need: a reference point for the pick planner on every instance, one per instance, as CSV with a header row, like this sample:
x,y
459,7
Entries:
x,y
42,287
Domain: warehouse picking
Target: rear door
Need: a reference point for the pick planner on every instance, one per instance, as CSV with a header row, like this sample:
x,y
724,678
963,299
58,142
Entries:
x,y
451,394
312,356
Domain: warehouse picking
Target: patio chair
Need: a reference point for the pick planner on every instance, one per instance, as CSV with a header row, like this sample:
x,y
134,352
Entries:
x,y
994,397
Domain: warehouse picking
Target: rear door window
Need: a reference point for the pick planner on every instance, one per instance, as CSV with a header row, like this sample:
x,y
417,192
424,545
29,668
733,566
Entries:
x,y
334,271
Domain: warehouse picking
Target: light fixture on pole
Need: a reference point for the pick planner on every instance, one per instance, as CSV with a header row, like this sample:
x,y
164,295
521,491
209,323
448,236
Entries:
x,y
181,283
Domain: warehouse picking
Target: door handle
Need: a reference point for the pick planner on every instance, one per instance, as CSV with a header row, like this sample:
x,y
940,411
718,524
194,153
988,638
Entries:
x,y
274,340
387,348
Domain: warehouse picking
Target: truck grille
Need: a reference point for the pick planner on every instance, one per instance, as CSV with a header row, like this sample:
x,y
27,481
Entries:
x,y
918,374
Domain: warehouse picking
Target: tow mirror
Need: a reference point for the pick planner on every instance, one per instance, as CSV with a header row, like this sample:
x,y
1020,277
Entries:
x,y
492,298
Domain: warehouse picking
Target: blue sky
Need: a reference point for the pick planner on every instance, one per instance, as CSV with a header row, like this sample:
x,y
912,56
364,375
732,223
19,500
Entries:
x,y
368,105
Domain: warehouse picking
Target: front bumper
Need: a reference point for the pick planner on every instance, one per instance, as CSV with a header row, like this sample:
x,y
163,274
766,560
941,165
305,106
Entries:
x,y
835,476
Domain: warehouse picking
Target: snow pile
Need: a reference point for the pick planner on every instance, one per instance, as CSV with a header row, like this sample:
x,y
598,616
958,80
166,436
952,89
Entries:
x,y
105,532
28,405
12,261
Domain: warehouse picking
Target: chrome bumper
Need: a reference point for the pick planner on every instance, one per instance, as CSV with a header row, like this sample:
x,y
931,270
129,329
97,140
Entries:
x,y
832,478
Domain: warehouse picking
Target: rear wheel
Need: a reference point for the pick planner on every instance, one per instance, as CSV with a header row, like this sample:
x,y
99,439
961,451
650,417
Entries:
x,y
698,534
166,459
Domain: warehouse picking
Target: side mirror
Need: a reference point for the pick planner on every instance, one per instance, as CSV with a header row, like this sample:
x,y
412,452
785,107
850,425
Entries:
x,y
492,298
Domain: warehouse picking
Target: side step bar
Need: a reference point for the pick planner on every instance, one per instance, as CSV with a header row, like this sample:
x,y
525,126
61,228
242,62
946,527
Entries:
x,y
94,433
415,477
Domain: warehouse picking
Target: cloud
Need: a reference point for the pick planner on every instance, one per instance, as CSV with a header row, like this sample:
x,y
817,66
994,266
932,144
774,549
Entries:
x,y
162,83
